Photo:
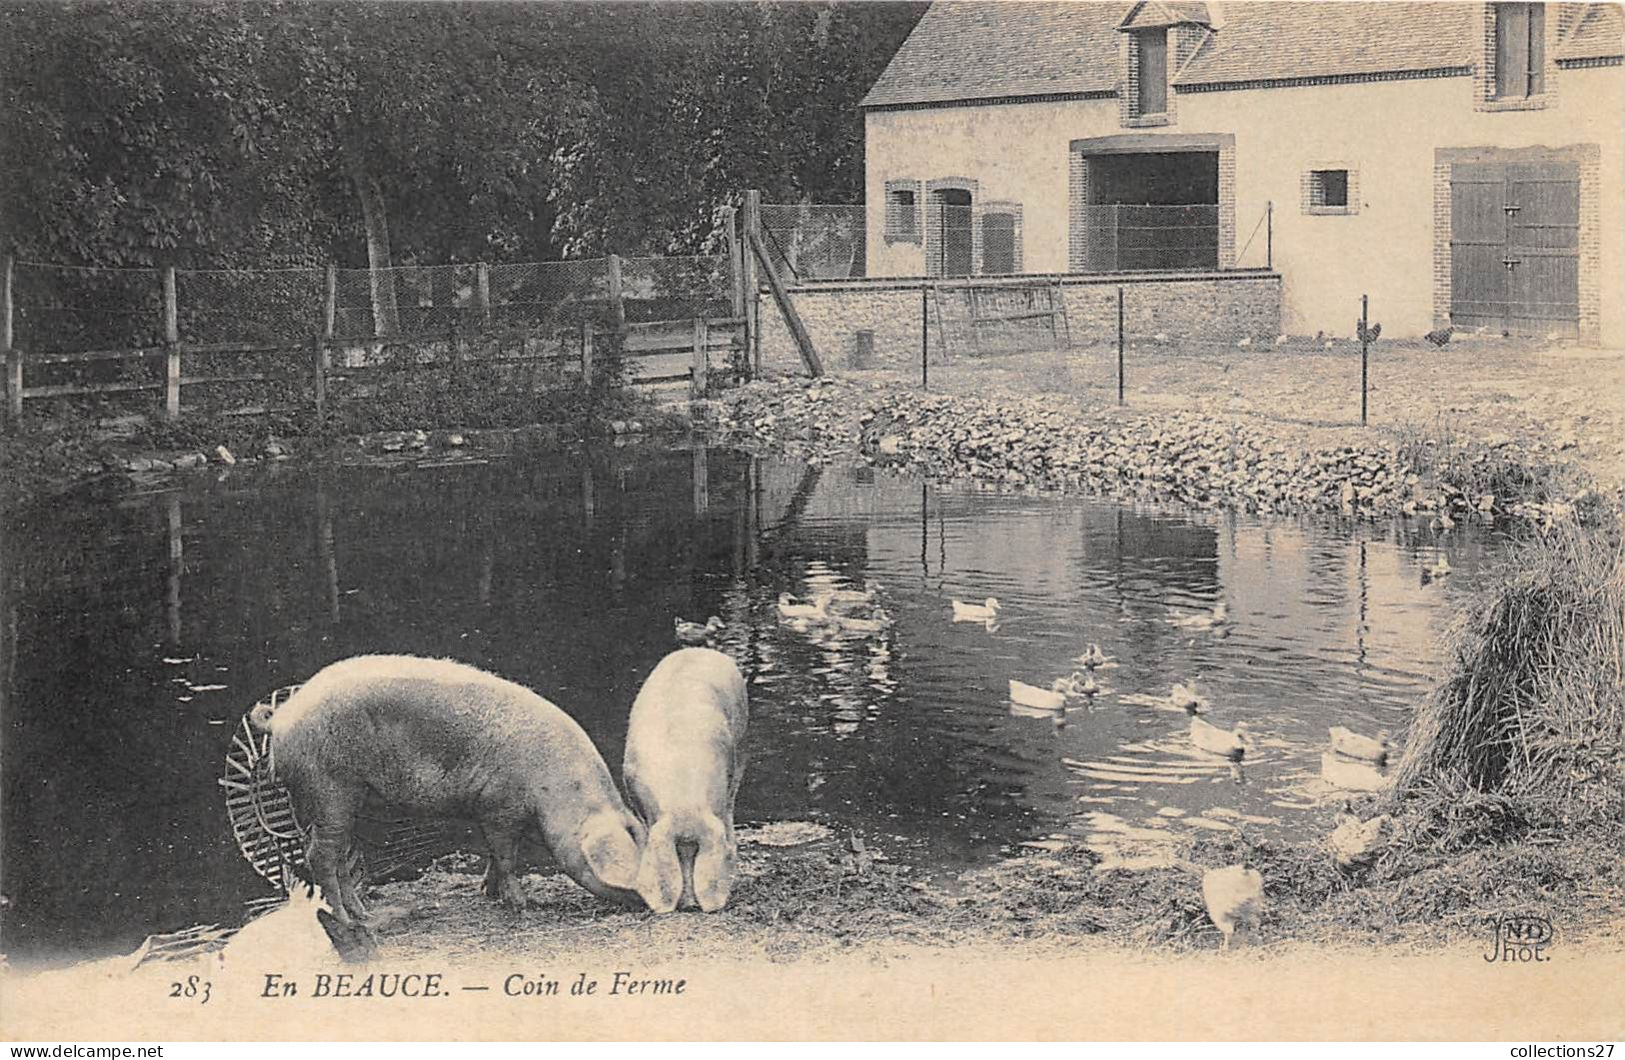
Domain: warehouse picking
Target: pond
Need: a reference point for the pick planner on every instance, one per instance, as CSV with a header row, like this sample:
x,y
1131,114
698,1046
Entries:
x,y
137,630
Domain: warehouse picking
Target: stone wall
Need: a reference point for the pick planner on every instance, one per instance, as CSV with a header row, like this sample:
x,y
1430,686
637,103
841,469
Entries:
x,y
1203,308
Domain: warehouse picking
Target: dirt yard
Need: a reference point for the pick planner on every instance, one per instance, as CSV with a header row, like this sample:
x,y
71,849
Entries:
x,y
1567,399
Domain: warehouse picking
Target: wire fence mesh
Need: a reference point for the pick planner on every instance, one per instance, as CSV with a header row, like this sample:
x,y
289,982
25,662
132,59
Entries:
x,y
254,306
815,242
676,288
67,308
1138,238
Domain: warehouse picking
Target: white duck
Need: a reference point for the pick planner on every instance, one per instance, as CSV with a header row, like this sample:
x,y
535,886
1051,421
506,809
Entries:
x,y
1186,698
1354,842
1205,620
1350,776
983,612
1093,659
1052,698
1085,687
1348,742
789,607
694,632
1437,572
1219,741
852,597
1234,896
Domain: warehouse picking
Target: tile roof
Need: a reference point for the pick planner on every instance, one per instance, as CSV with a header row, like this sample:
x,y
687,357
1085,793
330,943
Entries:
x,y
992,49
1601,33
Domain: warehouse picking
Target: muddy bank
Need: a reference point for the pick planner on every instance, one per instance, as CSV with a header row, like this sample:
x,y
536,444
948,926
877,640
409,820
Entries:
x,y
1202,459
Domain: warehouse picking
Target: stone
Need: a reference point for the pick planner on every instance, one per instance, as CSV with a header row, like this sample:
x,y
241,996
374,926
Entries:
x,y
224,455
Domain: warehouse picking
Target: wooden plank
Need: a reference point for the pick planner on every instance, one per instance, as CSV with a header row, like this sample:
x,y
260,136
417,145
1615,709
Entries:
x,y
798,330
330,301
200,380
617,299
172,348
586,356
70,389
736,264
318,368
88,356
675,377
749,229
1006,318
6,333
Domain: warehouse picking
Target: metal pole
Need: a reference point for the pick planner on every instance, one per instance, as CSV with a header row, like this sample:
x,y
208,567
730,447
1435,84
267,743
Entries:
x,y
1269,235
925,336
1365,351
1119,344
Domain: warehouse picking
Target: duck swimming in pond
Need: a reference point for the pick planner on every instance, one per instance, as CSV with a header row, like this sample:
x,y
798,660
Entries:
x,y
693,633
1186,698
1219,741
1052,698
789,607
1093,659
1348,742
1203,621
877,622
983,612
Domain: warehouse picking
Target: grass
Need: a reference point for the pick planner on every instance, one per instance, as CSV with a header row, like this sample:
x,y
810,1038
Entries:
x,y
1531,702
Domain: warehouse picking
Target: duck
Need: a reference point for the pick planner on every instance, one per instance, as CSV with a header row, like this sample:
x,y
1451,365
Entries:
x,y
1186,698
1203,620
695,633
851,597
1052,698
877,621
1350,776
1234,896
1093,659
983,612
1438,571
1348,742
1219,741
789,607
1086,687
1354,842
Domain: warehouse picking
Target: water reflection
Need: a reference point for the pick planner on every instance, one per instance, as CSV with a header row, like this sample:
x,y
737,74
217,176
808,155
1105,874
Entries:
x,y
137,632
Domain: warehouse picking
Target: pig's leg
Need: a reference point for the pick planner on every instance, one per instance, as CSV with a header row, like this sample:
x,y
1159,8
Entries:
x,y
502,835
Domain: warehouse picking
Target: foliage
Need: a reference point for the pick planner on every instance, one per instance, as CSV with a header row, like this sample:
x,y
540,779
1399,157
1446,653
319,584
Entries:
x,y
225,134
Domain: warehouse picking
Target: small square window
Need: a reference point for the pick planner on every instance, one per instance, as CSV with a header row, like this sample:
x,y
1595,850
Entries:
x,y
1329,187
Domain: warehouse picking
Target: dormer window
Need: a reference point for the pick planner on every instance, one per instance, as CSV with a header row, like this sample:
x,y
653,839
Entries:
x,y
1520,50
1152,72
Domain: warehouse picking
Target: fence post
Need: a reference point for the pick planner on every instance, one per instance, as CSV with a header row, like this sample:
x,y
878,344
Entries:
x,y
697,380
1120,344
586,355
753,282
330,308
318,368
925,336
617,297
14,356
172,347
735,265
1269,235
1365,351
482,291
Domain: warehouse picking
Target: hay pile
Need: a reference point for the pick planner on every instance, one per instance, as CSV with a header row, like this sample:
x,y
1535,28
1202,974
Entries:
x,y
1532,701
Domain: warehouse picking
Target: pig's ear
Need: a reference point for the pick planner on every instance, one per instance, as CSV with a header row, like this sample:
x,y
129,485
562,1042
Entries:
x,y
660,876
610,851
714,865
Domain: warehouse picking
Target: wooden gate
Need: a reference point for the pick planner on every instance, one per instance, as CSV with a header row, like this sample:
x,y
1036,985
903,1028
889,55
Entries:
x,y
1514,246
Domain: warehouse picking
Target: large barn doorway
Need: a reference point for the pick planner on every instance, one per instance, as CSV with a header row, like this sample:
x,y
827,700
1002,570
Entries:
x,y
1514,246
1151,211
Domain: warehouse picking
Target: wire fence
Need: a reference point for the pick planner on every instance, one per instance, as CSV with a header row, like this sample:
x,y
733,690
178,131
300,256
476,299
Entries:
x,y
815,242
1140,238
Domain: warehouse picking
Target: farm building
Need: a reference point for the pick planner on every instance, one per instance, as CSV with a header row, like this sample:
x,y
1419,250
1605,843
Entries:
x,y
1458,162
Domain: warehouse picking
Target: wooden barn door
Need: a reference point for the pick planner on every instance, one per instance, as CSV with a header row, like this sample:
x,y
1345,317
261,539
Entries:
x,y
1514,247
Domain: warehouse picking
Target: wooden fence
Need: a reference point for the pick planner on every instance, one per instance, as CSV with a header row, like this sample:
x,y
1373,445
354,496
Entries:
x,y
669,358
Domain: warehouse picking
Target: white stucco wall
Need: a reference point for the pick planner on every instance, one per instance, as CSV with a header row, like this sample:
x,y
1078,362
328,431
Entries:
x,y
1387,131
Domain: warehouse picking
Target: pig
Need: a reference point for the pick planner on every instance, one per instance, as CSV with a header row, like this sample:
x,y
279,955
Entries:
x,y
439,738
685,757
